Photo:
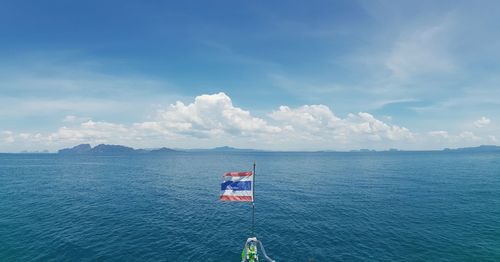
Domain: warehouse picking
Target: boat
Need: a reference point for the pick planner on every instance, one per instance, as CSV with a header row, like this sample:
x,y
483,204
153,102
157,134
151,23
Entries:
x,y
240,186
250,251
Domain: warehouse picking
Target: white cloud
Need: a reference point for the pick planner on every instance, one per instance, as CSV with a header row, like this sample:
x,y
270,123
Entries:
x,y
311,118
420,52
69,118
92,132
208,116
441,139
318,122
369,124
75,119
7,136
439,134
482,122
468,136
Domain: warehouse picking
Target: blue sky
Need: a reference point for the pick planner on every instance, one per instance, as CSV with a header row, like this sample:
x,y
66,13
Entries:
x,y
284,75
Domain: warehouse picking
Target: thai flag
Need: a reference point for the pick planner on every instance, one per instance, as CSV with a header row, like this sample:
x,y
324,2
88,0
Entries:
x,y
237,186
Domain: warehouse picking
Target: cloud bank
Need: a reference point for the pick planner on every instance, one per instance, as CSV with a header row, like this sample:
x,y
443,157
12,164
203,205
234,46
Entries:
x,y
213,120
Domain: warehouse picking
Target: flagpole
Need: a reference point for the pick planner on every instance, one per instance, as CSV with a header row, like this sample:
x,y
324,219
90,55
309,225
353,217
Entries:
x,y
253,200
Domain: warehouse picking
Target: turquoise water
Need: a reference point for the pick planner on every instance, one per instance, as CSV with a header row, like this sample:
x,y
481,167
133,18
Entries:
x,y
326,206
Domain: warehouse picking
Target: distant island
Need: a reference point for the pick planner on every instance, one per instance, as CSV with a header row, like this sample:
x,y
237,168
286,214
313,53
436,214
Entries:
x,y
482,148
224,149
103,149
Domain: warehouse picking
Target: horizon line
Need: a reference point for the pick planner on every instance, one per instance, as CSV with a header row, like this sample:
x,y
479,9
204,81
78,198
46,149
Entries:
x,y
221,148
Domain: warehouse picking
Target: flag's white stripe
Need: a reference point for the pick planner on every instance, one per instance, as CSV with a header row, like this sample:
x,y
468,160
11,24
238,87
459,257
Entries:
x,y
238,178
236,193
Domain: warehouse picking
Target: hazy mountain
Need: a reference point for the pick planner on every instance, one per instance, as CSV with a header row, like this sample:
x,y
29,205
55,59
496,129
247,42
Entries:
x,y
103,149
223,149
482,148
162,150
79,149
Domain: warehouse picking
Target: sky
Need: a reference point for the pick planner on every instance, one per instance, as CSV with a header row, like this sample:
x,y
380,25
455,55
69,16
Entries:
x,y
276,75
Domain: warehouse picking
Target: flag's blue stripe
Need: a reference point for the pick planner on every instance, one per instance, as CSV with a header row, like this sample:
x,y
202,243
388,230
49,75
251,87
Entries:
x,y
236,186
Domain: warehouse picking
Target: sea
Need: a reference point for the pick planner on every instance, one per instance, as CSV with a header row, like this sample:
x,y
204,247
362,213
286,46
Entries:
x,y
325,206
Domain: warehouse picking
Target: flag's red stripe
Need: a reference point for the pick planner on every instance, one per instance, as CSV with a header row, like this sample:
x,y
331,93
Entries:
x,y
249,173
236,198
